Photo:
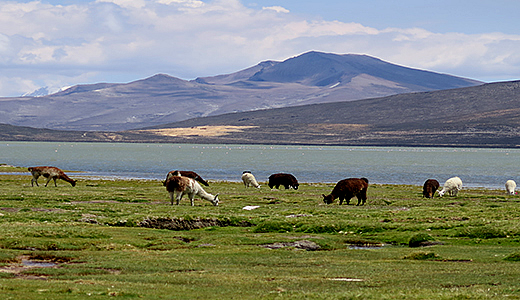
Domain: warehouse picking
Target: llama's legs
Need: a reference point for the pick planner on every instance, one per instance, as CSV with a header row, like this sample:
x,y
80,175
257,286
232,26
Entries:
x,y
172,195
179,197
34,180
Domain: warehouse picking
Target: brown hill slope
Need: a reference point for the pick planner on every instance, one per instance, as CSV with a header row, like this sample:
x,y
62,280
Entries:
x,y
486,115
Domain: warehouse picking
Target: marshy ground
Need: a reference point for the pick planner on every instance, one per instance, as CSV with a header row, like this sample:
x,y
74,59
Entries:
x,y
122,238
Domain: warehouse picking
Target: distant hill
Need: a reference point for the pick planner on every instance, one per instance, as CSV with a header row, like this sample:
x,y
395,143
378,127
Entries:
x,y
310,78
482,116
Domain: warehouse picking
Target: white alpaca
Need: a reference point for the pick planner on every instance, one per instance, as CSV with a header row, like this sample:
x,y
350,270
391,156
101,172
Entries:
x,y
181,185
452,186
510,187
249,180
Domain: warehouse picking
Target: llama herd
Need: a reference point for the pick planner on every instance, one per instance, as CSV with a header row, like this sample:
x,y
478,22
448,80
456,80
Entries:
x,y
180,183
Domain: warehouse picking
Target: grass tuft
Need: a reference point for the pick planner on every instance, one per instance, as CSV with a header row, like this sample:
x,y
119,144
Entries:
x,y
481,232
421,256
513,257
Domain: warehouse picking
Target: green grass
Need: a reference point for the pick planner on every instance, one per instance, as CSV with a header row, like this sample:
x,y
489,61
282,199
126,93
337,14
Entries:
x,y
94,234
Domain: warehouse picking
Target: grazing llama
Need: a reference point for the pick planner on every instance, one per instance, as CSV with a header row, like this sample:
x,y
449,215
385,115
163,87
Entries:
x,y
510,187
49,173
452,186
249,180
346,189
181,185
429,188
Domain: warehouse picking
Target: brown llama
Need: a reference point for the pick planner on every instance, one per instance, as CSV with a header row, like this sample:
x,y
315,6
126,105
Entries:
x,y
430,187
49,173
189,174
346,189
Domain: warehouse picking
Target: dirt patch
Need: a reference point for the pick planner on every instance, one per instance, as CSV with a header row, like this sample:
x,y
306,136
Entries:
x,y
183,224
198,131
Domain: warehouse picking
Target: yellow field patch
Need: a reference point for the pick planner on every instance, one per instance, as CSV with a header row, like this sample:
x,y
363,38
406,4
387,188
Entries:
x,y
205,131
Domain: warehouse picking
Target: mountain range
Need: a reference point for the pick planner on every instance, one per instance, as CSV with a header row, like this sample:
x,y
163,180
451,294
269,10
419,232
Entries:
x,y
487,115
310,78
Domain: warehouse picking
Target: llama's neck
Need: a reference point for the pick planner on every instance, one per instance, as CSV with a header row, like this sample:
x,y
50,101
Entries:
x,y
66,178
205,195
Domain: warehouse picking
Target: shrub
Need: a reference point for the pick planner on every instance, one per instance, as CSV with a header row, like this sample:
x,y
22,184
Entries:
x,y
419,240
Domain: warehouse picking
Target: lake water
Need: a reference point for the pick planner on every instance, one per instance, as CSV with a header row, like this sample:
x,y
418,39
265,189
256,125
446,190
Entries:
x,y
477,167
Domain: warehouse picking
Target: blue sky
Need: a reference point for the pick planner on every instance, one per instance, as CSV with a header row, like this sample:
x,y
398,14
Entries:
x,y
58,43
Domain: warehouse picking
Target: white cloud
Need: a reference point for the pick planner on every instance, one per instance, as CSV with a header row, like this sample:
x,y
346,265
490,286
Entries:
x,y
124,40
277,9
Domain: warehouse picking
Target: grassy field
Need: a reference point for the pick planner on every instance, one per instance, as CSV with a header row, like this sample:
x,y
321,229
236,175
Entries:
x,y
123,239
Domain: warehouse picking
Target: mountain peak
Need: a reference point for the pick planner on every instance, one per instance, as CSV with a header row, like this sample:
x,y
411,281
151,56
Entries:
x,y
322,69
161,78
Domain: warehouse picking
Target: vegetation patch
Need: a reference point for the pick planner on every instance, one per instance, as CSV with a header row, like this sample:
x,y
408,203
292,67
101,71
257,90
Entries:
x,y
360,243
190,224
481,232
49,256
421,256
513,257
422,240
274,226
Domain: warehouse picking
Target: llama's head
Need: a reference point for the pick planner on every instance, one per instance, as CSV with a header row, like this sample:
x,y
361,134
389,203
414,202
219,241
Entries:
x,y
215,200
441,193
328,199
73,183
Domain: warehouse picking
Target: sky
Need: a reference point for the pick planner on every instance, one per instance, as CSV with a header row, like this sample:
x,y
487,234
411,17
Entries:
x,y
60,43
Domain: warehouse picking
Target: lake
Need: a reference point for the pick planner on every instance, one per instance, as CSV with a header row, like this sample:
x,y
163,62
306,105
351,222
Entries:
x,y
477,167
